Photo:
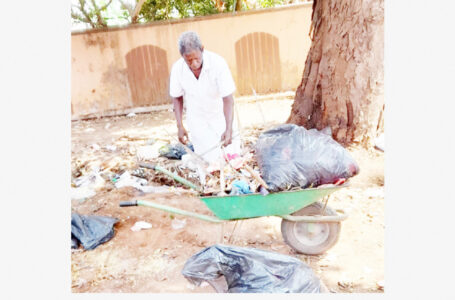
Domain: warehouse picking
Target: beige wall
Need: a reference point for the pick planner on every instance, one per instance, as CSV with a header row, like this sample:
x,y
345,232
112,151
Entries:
x,y
106,75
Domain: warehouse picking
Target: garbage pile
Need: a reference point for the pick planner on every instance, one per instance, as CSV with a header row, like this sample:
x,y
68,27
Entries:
x,y
283,158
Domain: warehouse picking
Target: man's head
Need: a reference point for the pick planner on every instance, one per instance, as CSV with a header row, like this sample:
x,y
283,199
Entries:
x,y
191,49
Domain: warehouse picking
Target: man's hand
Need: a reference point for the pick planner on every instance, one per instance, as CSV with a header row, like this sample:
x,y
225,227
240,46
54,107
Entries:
x,y
227,137
183,135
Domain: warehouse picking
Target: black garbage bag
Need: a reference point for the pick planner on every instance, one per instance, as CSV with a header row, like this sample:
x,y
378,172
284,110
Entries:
x,y
91,231
249,270
291,156
174,151
74,242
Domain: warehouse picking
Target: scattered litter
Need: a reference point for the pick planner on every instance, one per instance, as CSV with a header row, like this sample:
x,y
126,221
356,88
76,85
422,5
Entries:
x,y
245,173
202,174
139,172
178,224
91,231
263,191
82,193
107,126
141,225
111,148
92,180
235,160
150,141
379,143
89,130
380,284
127,180
187,162
131,115
149,152
240,187
140,124
249,270
174,151
95,147
345,284
156,189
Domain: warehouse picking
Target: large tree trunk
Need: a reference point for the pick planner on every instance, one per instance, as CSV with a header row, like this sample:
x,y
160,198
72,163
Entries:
x,y
342,84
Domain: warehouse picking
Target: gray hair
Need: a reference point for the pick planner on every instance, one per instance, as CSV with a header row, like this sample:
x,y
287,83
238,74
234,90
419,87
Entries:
x,y
188,41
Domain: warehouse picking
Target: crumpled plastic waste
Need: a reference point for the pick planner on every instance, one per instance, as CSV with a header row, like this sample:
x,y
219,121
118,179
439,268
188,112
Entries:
x,y
187,162
248,270
141,225
178,224
92,231
93,180
82,193
111,148
240,187
379,143
87,185
149,152
126,179
175,151
235,160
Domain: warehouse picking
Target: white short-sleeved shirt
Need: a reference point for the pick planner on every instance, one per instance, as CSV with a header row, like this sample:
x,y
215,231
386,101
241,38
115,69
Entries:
x,y
203,100
202,96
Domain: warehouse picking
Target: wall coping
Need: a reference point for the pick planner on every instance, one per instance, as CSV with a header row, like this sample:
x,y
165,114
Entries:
x,y
191,19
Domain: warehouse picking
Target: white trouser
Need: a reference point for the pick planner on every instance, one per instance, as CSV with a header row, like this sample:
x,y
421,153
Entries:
x,y
205,133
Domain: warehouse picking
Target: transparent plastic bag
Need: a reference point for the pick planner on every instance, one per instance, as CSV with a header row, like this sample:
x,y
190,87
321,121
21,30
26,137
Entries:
x,y
291,156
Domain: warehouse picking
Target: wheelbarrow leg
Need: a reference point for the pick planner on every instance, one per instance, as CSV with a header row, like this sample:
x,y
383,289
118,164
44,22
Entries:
x,y
231,237
222,233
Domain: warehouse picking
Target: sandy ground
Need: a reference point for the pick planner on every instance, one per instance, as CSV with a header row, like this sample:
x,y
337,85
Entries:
x,y
151,260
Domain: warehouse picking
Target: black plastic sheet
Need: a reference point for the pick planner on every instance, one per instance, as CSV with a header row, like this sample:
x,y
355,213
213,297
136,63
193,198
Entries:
x,y
291,156
91,231
248,270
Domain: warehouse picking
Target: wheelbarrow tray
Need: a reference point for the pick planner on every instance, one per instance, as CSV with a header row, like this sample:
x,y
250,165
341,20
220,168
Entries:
x,y
258,205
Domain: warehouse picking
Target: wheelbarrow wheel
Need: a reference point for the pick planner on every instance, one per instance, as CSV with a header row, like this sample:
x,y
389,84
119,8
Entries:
x,y
311,238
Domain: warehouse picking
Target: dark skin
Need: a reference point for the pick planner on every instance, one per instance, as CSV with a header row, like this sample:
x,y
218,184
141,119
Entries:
x,y
194,61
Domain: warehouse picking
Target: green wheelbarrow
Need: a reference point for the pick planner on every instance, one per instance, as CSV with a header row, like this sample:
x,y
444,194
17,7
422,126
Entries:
x,y
308,225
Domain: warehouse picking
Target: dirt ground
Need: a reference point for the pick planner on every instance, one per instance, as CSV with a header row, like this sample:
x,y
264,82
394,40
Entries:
x,y
151,260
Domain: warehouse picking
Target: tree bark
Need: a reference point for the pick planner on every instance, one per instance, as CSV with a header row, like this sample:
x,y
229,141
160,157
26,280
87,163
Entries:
x,y
238,5
342,82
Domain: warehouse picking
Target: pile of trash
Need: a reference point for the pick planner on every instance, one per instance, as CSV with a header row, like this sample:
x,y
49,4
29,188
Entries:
x,y
283,158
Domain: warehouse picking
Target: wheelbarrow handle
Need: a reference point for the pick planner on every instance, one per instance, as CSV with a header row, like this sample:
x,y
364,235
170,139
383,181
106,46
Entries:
x,y
146,165
128,203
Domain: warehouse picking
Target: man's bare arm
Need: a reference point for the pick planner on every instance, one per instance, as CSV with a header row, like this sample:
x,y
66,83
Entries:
x,y
178,112
228,109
